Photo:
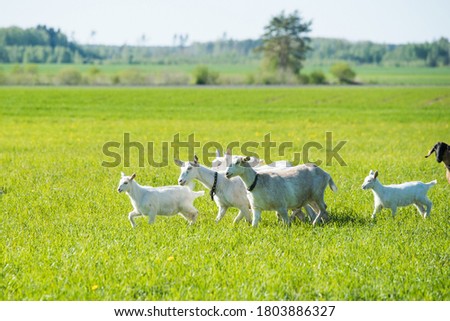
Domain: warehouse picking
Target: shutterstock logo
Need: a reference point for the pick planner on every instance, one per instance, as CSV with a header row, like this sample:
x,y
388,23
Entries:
x,y
119,153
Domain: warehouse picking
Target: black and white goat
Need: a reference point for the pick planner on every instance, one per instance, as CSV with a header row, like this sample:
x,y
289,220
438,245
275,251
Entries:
x,y
442,151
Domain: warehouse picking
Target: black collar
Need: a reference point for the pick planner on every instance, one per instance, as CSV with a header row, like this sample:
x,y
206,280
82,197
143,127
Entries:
x,y
252,187
212,192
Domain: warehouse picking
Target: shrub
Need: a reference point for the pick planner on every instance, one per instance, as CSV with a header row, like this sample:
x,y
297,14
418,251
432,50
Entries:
x,y
343,73
115,80
131,77
17,69
69,76
32,69
303,79
317,78
2,77
173,79
93,71
204,76
250,79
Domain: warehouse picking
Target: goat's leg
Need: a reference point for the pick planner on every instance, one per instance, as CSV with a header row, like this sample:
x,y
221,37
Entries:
x,y
279,218
315,209
256,217
243,212
131,217
420,208
298,214
151,218
312,213
284,215
394,211
190,213
314,206
221,213
376,210
428,204
322,209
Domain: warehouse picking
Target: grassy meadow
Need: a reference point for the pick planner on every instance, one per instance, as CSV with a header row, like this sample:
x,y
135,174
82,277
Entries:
x,y
65,233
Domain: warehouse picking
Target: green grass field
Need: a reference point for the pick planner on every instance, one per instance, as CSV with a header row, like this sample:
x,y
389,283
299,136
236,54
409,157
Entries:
x,y
65,233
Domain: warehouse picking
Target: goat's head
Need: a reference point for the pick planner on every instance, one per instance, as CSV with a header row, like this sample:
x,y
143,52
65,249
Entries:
x,y
222,162
237,167
440,149
218,160
189,170
125,182
370,180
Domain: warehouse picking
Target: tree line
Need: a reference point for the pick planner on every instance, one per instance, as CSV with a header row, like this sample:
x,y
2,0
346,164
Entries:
x,y
43,44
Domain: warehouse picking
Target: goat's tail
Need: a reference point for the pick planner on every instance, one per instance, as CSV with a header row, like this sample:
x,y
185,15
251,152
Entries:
x,y
432,183
332,185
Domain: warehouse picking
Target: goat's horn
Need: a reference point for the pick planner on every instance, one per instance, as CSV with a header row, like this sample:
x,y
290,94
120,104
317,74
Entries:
x,y
431,151
132,176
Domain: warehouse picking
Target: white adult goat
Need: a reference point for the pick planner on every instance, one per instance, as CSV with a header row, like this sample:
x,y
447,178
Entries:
x,y
152,201
393,196
281,190
221,163
225,193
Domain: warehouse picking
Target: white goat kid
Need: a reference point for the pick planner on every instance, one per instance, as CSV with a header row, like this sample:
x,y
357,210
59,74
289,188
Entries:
x,y
225,193
281,190
393,196
152,201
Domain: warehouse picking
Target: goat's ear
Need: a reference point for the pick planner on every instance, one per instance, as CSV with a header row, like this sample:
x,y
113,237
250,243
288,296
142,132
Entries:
x,y
371,173
217,153
375,175
246,159
178,162
432,150
132,176
228,151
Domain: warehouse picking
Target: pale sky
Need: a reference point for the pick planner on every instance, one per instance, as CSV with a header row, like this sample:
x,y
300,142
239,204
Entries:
x,y
124,22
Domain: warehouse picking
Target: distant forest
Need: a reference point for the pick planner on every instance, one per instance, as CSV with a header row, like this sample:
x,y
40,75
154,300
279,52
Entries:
x,y
48,45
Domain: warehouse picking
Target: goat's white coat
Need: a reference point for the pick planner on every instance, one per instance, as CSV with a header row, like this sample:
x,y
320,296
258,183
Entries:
x,y
394,196
281,190
221,163
275,165
229,193
152,201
